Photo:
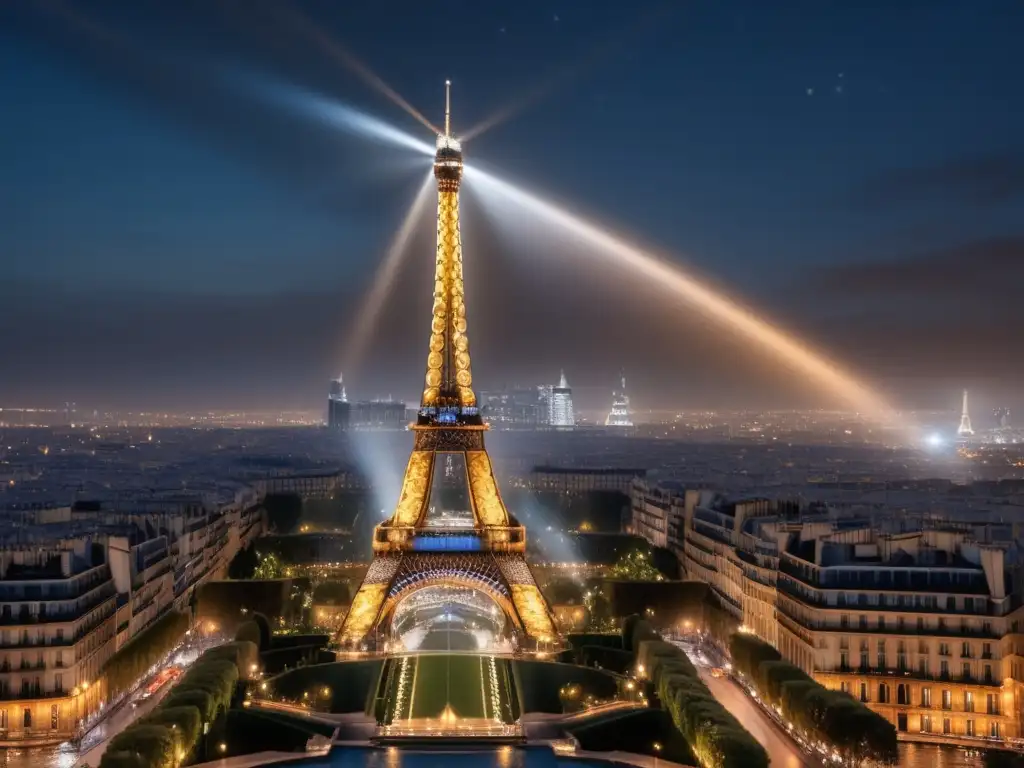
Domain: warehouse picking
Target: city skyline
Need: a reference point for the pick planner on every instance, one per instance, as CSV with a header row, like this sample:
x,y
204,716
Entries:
x,y
264,316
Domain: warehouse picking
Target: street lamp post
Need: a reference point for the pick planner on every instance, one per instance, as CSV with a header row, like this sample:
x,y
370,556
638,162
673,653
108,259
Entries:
x,y
657,751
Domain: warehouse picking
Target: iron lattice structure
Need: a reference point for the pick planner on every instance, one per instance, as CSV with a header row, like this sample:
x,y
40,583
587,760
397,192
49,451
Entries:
x,y
449,422
965,429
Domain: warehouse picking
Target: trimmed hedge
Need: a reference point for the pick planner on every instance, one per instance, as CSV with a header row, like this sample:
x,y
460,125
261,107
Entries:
x,y
249,630
634,631
185,720
244,654
125,667
201,701
173,730
153,746
832,716
716,738
122,760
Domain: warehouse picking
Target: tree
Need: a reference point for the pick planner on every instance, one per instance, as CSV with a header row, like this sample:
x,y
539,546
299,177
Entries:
x,y
185,721
124,669
269,567
831,716
157,745
200,700
636,566
244,654
249,630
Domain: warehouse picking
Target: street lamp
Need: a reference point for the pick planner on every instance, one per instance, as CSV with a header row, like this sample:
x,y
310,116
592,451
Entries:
x,y
657,751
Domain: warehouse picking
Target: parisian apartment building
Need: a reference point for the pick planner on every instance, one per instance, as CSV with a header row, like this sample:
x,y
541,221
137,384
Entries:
x,y
921,620
78,583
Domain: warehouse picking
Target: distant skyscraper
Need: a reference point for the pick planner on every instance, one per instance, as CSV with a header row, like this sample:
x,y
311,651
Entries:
x,y
619,416
338,408
560,405
965,429
513,408
1001,417
545,393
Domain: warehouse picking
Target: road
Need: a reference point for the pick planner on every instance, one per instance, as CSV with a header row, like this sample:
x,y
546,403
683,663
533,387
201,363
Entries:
x,y
783,752
781,749
95,742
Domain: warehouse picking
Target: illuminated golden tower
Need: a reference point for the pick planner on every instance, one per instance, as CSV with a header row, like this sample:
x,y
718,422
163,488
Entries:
x,y
450,527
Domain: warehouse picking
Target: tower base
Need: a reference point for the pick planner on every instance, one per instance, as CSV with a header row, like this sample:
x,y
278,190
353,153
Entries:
x,y
505,578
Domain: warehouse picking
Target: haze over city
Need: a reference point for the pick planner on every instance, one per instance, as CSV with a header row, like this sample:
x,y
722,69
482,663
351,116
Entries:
x,y
175,237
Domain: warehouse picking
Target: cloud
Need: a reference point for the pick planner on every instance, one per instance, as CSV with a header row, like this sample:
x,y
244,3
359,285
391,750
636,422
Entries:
x,y
975,271
981,180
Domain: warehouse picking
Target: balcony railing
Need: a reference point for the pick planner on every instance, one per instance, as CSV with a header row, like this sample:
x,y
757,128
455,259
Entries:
x,y
891,627
885,579
22,618
910,675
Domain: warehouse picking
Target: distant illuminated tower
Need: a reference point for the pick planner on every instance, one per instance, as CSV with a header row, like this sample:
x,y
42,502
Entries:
x,y
561,405
338,408
619,416
965,430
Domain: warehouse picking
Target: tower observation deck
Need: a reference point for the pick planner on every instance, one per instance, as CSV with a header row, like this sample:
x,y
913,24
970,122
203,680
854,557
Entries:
x,y
450,542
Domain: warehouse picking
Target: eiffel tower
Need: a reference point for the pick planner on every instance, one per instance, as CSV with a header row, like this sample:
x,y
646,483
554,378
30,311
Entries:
x,y
450,527
965,429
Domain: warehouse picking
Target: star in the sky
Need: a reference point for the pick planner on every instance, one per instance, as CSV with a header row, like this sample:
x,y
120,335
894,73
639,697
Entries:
x,y
556,17
810,91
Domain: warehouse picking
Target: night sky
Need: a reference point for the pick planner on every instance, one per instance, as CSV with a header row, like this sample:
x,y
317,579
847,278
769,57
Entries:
x,y
171,239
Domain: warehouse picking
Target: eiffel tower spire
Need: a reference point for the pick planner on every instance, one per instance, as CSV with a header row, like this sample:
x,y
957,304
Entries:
x,y
448,391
